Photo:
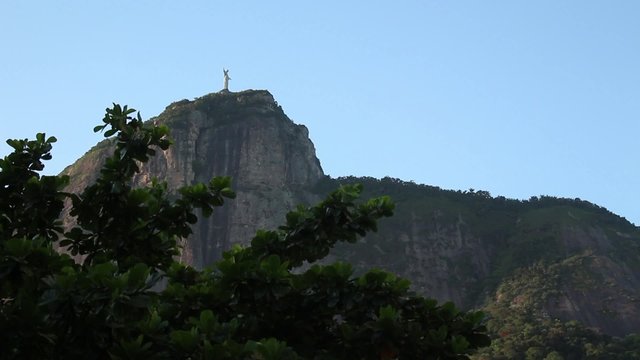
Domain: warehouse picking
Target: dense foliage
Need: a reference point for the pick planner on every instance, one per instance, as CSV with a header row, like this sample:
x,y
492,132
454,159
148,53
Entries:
x,y
521,329
520,334
123,295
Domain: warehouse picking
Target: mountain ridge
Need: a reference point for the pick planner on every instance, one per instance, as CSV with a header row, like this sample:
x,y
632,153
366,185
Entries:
x,y
453,245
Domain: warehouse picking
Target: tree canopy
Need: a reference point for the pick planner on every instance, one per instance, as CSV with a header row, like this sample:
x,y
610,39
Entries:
x,y
109,286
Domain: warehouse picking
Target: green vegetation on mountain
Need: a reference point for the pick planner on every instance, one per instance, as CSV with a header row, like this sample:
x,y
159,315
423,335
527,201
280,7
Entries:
x,y
534,275
522,329
254,303
462,246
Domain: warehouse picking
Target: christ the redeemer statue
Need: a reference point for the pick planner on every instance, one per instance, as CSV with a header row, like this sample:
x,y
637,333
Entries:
x,y
226,79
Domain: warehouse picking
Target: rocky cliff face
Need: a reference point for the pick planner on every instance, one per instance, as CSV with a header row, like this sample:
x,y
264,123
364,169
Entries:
x,y
244,135
465,247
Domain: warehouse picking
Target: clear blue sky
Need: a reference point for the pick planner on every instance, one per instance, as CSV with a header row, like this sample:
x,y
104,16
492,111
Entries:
x,y
516,98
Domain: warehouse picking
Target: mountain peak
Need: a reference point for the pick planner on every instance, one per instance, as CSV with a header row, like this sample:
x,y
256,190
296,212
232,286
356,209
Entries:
x,y
226,98
245,135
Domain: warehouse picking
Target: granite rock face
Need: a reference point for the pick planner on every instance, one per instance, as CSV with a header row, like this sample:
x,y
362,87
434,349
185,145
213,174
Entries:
x,y
244,135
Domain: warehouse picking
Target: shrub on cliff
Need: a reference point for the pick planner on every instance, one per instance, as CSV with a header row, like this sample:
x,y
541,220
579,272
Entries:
x,y
251,304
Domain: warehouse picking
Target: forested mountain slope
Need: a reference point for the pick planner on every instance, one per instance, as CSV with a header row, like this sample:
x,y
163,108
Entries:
x,y
558,258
